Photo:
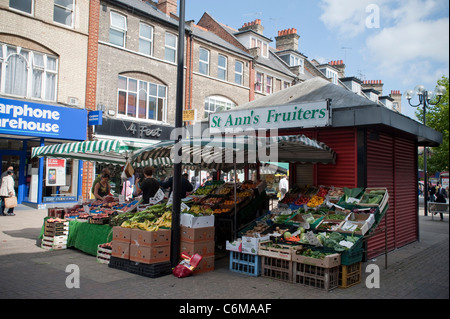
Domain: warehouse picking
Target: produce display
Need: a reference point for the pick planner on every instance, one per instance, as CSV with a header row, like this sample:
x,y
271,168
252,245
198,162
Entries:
x,y
308,219
218,198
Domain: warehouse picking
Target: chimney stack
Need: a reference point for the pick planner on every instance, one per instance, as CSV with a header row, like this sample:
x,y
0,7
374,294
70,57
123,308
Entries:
x,y
168,6
254,26
287,40
340,66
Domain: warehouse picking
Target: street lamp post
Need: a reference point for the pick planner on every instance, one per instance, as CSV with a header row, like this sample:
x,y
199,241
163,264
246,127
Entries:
x,y
425,98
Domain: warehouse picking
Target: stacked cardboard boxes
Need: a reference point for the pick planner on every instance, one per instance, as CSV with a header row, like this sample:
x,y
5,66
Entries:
x,y
141,246
197,237
150,247
146,253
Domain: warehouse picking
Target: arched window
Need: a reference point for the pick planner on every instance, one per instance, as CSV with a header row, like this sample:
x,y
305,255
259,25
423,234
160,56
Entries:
x,y
216,103
28,74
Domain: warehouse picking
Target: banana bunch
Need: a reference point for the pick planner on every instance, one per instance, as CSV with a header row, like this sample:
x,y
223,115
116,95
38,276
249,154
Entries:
x,y
145,225
165,220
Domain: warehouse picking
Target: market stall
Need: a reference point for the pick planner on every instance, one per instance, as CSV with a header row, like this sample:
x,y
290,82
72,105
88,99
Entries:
x,y
315,237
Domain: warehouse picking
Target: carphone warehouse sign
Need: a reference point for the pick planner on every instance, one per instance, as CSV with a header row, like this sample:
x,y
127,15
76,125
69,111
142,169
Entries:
x,y
42,120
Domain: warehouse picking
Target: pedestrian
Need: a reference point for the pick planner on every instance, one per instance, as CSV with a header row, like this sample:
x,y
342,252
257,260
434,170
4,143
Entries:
x,y
148,187
7,190
441,197
102,188
432,192
186,186
283,186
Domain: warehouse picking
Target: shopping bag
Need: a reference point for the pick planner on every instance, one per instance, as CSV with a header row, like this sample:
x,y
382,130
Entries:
x,y
10,202
186,267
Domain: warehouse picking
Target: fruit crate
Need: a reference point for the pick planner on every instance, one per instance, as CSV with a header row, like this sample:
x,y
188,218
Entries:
x,y
276,268
245,263
103,254
271,249
314,276
350,275
54,242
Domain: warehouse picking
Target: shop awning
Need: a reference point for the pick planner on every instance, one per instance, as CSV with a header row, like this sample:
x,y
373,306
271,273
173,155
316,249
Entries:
x,y
105,151
223,153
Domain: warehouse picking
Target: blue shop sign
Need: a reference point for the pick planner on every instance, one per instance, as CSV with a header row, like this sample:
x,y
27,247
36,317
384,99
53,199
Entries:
x,y
42,120
95,117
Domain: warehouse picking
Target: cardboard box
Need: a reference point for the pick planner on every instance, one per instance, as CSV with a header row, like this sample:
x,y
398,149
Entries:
x,y
234,246
363,221
149,255
196,234
120,249
192,221
150,238
203,248
250,245
205,265
121,234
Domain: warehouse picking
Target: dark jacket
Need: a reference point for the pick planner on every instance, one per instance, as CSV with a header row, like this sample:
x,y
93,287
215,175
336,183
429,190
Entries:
x,y
149,187
186,186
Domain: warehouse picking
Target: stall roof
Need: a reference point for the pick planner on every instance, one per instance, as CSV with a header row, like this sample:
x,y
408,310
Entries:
x,y
221,153
348,109
106,151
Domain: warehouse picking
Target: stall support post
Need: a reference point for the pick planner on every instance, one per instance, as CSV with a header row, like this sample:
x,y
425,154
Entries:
x,y
177,169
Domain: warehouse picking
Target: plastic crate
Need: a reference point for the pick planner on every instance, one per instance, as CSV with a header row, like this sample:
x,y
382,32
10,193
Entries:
x,y
245,263
354,254
150,270
119,263
314,276
276,268
350,275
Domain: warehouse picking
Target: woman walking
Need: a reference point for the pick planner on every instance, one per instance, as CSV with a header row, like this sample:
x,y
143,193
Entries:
x,y
7,190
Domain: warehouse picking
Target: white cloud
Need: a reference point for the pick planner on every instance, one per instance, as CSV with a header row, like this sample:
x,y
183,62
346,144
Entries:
x,y
347,17
406,42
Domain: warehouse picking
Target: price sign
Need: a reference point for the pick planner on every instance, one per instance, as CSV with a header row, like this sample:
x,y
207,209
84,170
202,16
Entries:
x,y
159,196
312,239
184,207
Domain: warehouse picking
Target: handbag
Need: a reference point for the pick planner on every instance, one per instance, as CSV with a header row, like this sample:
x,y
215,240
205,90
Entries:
x,y
10,202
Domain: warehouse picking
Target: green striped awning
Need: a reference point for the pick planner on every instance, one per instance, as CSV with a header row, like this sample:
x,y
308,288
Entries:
x,y
222,153
104,151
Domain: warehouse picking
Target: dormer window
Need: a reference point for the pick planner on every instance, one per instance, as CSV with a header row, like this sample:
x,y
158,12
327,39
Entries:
x,y
330,74
264,47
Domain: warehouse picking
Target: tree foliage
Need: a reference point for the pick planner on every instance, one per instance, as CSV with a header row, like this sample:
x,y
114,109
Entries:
x,y
437,117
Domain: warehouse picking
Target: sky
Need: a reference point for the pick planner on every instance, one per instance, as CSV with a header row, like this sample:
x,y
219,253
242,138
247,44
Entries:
x,y
403,43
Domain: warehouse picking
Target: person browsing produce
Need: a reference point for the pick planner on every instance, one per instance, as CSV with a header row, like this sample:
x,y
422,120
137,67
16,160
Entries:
x,y
102,188
148,187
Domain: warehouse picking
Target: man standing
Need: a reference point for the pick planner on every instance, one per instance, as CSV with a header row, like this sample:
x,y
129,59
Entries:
x,y
148,187
186,186
283,186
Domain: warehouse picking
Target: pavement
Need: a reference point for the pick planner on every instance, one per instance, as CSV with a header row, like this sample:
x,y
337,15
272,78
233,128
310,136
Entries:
x,y
419,270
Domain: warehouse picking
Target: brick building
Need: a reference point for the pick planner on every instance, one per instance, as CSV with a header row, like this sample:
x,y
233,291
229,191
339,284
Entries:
x,y
43,54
